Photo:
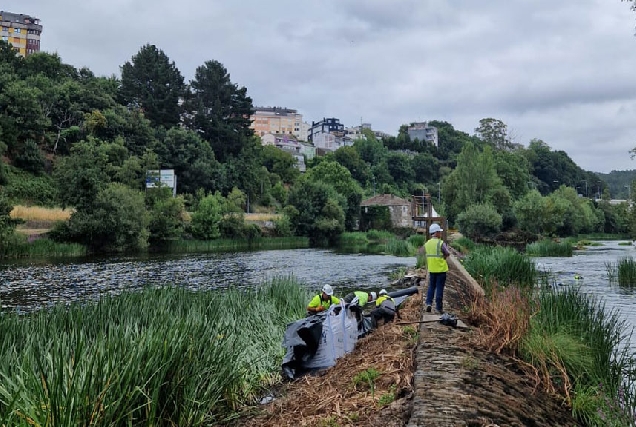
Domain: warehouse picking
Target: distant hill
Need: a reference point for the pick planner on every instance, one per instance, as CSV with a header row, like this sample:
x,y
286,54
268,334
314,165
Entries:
x,y
618,182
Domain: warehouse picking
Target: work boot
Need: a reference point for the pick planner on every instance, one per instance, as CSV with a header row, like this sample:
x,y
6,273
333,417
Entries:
x,y
428,308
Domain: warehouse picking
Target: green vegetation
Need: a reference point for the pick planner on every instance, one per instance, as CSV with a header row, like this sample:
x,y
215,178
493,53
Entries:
x,y
549,248
158,357
224,245
622,272
18,246
367,378
574,342
501,266
463,245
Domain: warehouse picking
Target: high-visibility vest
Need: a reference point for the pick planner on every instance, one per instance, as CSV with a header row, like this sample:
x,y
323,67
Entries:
x,y
317,301
385,301
435,261
363,298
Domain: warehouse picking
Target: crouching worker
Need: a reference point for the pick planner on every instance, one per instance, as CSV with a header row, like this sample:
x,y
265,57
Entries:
x,y
357,301
385,308
322,301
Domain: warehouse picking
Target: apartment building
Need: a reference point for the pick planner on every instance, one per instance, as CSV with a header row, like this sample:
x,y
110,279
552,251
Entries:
x,y
21,31
325,126
423,133
278,120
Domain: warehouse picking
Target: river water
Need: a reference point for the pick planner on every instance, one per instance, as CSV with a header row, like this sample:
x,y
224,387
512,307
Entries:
x,y
28,285
590,265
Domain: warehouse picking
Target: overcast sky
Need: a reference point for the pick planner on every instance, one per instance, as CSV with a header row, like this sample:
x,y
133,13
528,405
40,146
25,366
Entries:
x,y
558,70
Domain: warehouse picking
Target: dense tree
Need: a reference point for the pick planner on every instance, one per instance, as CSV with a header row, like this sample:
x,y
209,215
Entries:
x,y
219,110
350,159
494,132
317,211
152,83
400,168
280,162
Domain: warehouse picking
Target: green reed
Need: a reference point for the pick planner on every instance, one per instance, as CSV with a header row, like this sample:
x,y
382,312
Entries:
x,y
167,356
502,265
399,247
550,248
573,330
19,246
623,272
221,245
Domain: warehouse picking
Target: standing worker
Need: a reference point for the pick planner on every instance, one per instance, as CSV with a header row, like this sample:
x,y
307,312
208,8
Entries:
x,y
436,254
385,308
322,301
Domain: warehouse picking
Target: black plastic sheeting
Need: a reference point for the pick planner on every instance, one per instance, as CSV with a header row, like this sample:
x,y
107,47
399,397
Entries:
x,y
302,337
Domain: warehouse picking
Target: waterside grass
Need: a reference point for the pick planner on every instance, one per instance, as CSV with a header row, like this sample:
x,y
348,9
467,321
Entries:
x,y
581,350
165,356
21,246
224,245
622,272
550,248
491,265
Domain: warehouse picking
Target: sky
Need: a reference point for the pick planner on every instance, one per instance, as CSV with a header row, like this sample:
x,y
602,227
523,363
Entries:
x,y
560,71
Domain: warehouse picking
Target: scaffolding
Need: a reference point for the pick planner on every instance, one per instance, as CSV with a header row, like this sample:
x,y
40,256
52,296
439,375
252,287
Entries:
x,y
422,211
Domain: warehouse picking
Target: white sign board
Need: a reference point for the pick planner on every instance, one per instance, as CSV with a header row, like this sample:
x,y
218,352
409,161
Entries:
x,y
163,177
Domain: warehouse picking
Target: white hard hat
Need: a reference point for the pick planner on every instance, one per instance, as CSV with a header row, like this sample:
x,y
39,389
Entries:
x,y
372,296
434,228
383,292
328,290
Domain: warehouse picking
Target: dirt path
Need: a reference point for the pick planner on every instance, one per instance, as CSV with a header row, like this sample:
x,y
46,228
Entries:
x,y
428,375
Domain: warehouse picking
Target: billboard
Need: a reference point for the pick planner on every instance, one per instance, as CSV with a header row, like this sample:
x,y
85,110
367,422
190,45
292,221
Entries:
x,y
163,178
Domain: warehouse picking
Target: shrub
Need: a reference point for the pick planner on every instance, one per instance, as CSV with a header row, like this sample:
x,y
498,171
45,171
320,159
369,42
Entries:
x,y
480,220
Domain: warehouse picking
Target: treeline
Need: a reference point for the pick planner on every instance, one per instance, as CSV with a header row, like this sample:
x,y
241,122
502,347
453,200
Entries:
x,y
73,139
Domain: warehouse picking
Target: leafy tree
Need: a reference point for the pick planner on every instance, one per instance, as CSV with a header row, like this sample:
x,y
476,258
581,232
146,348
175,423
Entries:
x,y
336,175
116,222
317,211
192,160
281,163
426,168
166,215
82,175
350,159
7,224
494,132
205,221
219,110
30,158
474,181
480,220
370,149
513,169
152,83
400,168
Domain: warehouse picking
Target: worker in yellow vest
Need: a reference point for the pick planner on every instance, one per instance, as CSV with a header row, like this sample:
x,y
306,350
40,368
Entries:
x,y
384,308
436,254
322,301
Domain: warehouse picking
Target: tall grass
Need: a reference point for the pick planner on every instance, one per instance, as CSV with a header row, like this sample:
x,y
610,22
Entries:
x,y
501,265
417,240
19,246
353,238
158,357
582,350
622,272
379,235
221,245
399,247
550,248
38,213
463,245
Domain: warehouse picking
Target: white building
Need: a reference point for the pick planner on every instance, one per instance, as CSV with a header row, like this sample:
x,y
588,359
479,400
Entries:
x,y
423,133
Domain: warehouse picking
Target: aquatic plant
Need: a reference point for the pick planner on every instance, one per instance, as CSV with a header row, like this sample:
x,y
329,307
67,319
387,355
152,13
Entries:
x,y
223,245
550,248
501,265
622,272
166,356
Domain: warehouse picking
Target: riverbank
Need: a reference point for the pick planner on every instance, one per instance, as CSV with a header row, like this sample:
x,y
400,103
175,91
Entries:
x,y
453,382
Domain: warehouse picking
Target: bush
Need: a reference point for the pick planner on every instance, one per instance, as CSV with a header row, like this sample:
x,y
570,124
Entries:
x,y
206,219
481,220
166,219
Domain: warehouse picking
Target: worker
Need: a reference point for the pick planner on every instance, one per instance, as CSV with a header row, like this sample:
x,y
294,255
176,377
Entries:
x,y
436,254
384,308
322,301
363,297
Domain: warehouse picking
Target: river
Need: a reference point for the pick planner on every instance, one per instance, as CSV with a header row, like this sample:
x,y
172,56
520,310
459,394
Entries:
x,y
590,265
26,285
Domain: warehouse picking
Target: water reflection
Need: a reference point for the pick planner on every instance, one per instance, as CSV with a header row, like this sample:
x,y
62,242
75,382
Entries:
x,y
29,285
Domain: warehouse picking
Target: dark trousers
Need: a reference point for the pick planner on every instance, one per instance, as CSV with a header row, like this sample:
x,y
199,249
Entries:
x,y
382,313
436,284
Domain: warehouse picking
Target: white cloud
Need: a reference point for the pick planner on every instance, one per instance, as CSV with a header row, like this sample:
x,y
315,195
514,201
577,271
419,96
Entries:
x,y
558,71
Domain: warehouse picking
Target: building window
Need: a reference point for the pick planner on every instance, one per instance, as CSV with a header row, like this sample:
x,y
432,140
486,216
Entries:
x,y
5,38
16,30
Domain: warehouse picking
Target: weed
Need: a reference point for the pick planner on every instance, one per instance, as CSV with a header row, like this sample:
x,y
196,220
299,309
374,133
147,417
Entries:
x,y
367,377
387,398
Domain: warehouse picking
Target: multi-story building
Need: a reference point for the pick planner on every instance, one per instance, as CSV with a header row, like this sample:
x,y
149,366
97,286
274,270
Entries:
x,y
278,120
325,126
423,133
21,31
